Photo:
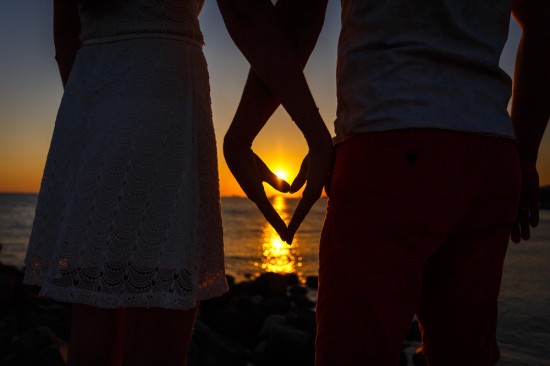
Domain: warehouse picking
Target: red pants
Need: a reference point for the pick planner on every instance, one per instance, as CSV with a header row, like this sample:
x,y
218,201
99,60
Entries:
x,y
418,222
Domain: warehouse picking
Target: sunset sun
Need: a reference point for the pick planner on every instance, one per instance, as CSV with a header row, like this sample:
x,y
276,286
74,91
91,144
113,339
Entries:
x,y
281,174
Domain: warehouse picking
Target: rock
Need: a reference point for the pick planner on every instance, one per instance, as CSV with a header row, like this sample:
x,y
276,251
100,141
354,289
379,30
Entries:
x,y
271,284
11,287
215,349
247,320
246,289
239,318
7,269
230,281
48,356
414,333
39,346
35,339
312,282
312,295
272,321
8,326
8,329
257,299
297,291
7,289
33,318
286,345
277,305
418,357
299,296
292,279
257,356
303,319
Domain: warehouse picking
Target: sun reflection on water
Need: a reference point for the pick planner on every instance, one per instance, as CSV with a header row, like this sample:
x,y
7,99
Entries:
x,y
276,255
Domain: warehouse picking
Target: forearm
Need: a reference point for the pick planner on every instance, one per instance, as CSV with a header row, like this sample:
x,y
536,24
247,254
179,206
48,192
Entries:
x,y
302,22
531,97
256,30
256,106
531,100
66,35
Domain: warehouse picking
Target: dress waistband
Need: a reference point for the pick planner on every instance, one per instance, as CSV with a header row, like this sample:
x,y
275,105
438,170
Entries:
x,y
129,36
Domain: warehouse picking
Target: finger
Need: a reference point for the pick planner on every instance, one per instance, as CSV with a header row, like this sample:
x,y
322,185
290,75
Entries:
x,y
515,234
243,164
319,162
523,218
300,214
303,208
301,178
278,183
272,217
525,231
257,195
534,214
269,177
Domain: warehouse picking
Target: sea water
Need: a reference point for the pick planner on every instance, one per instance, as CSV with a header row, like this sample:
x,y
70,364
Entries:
x,y
252,247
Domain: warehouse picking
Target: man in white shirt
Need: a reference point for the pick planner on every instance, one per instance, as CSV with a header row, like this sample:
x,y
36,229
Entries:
x,y
426,180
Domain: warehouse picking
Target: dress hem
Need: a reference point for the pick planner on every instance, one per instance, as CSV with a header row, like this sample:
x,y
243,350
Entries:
x,y
146,300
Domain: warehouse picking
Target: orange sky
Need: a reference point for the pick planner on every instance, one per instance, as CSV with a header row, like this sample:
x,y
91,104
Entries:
x,y
30,92
23,155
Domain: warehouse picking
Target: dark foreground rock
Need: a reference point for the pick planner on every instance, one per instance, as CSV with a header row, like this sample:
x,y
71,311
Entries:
x,y
263,322
266,321
418,357
33,330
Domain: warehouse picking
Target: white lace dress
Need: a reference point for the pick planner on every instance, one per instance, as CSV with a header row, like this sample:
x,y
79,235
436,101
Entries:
x,y
128,213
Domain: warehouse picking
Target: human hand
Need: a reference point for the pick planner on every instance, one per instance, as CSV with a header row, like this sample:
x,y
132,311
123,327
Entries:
x,y
266,175
250,171
301,178
528,210
315,170
311,195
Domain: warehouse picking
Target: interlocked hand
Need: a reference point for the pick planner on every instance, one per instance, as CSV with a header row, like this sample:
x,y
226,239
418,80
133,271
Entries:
x,y
250,171
315,173
277,42
528,210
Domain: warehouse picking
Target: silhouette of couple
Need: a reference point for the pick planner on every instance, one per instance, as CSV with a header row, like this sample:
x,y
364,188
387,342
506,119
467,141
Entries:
x,y
427,178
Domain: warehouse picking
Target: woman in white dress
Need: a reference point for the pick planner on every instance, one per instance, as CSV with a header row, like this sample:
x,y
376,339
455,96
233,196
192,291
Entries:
x,y
128,225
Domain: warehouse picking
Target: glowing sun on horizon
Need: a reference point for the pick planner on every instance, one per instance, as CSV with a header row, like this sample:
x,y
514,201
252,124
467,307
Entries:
x,y
281,174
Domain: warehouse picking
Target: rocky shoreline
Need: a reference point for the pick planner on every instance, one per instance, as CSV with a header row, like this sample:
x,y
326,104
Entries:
x,y
33,330
266,321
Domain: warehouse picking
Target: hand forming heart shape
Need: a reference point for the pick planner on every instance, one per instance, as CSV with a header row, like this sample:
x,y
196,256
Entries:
x,y
250,172
277,42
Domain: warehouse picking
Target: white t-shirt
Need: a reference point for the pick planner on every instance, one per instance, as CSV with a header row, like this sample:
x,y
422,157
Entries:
x,y
423,64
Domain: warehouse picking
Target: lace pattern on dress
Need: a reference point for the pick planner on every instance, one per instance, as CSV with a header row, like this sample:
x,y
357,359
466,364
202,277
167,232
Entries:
x,y
128,213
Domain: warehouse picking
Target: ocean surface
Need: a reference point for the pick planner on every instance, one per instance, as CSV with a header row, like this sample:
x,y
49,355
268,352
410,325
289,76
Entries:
x,y
252,247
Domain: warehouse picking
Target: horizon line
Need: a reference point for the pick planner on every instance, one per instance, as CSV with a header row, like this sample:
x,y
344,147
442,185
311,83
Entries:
x,y
224,196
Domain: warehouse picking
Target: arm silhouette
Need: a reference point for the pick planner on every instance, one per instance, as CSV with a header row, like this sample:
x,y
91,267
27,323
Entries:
x,y
257,29
530,105
302,22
